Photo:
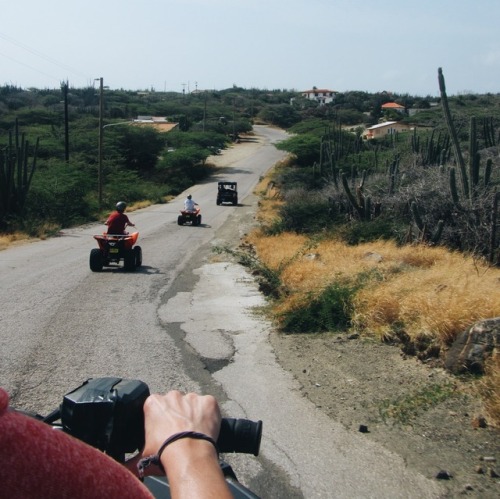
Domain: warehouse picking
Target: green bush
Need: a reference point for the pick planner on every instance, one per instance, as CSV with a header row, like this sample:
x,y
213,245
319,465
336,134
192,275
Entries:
x,y
306,214
59,194
330,311
359,232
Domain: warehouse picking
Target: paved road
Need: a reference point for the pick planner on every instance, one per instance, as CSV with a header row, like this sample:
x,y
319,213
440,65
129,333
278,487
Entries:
x,y
186,320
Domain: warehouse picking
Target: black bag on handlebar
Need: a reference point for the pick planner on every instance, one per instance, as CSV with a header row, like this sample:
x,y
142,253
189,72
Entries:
x,y
107,414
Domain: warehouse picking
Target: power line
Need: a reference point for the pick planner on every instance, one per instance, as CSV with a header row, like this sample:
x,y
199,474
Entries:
x,y
30,67
38,54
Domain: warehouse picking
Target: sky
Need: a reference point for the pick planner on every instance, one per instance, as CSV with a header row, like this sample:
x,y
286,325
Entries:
x,y
185,45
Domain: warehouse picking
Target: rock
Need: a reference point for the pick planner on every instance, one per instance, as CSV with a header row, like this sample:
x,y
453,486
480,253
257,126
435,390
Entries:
x,y
363,428
479,421
373,256
473,347
443,475
311,256
493,473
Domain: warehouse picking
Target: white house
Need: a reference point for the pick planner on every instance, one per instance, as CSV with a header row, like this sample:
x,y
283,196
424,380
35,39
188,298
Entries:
x,y
386,128
320,95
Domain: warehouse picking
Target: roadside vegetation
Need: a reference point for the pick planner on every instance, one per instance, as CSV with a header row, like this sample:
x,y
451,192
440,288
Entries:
x,y
391,239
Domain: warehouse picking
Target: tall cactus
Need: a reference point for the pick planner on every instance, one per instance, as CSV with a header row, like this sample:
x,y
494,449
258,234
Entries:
x,y
453,133
493,230
15,174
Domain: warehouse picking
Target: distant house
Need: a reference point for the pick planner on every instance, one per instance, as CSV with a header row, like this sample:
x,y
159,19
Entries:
x,y
386,128
160,123
393,105
320,95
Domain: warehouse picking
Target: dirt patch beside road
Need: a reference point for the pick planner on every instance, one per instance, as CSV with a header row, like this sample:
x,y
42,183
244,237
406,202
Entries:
x,y
419,412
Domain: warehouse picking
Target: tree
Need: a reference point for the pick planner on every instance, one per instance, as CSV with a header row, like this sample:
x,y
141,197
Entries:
x,y
282,115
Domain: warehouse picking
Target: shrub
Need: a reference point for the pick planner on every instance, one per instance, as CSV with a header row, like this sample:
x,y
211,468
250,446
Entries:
x,y
330,311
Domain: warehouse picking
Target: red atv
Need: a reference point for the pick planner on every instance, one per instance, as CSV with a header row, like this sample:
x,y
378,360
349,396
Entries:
x,y
191,217
113,248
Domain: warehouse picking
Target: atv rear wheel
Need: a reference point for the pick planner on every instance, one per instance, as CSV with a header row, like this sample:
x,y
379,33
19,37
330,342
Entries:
x,y
180,220
138,256
129,260
96,260
198,220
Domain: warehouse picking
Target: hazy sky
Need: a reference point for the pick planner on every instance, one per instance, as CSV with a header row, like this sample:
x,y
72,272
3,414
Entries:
x,y
368,45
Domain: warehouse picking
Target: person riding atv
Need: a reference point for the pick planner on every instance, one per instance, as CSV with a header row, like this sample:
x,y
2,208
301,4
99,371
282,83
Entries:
x,y
117,221
190,204
190,213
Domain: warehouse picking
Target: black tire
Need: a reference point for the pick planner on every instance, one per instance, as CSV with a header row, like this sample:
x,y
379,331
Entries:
x,y
235,201
198,220
129,260
138,256
180,220
96,260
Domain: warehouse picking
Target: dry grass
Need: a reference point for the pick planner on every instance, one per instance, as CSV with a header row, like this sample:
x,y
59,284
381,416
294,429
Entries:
x,y
490,389
439,300
429,291
7,240
42,232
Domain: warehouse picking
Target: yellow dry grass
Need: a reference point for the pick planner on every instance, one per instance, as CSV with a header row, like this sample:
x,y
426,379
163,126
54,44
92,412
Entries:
x,y
7,240
428,290
439,300
490,389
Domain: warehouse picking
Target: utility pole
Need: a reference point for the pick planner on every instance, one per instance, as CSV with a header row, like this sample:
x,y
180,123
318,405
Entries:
x,y
66,122
101,140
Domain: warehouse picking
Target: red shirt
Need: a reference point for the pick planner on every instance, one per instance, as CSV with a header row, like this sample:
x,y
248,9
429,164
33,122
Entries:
x,y
38,461
117,222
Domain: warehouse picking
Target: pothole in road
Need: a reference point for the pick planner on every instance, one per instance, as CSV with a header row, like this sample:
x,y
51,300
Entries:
x,y
214,365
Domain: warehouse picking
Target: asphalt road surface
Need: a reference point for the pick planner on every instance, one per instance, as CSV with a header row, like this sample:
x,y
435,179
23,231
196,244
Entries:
x,y
185,320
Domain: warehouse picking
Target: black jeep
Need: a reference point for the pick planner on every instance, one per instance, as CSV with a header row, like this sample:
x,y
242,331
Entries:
x,y
227,193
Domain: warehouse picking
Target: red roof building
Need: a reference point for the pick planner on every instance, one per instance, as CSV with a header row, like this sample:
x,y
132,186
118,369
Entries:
x,y
393,105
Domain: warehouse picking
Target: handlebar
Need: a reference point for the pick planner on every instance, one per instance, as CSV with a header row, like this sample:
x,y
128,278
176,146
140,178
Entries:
x,y
107,413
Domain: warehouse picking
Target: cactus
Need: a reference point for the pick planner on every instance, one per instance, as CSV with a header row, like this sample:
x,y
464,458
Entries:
x,y
473,159
393,170
15,174
436,236
416,217
453,134
489,132
424,232
487,172
493,231
453,185
352,199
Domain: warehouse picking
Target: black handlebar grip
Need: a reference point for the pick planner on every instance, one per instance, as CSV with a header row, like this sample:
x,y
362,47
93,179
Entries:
x,y
240,435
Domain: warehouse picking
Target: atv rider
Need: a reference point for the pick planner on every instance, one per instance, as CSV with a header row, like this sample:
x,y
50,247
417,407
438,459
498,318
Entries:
x,y
117,221
190,204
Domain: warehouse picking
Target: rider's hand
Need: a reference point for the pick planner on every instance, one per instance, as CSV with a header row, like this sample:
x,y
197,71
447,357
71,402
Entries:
x,y
192,465
174,412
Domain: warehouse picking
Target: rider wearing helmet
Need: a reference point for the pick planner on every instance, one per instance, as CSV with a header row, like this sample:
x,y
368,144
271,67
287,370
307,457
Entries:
x,y
117,221
190,204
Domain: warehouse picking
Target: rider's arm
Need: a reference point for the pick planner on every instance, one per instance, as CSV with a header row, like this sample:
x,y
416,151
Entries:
x,y
192,465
